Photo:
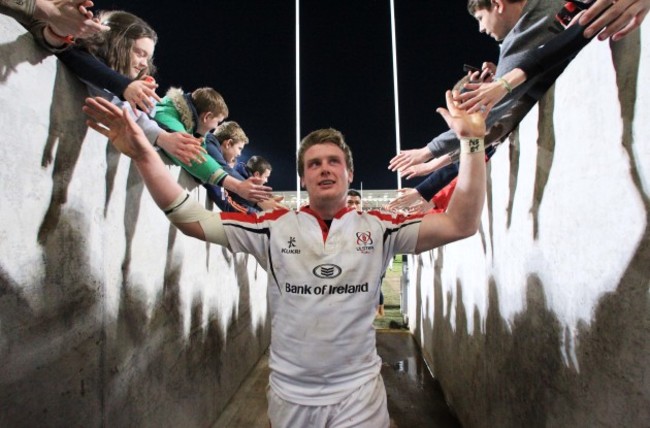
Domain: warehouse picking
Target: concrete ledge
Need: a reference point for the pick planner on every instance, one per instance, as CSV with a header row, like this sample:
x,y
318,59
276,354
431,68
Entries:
x,y
543,318
108,316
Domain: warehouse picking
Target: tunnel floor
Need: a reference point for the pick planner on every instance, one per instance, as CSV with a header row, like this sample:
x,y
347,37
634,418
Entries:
x,y
415,399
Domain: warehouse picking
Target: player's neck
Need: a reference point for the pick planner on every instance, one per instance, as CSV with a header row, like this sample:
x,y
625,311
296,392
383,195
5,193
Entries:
x,y
325,210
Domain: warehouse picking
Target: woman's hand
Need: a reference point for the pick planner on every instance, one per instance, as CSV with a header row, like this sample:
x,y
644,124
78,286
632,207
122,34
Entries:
x,y
140,93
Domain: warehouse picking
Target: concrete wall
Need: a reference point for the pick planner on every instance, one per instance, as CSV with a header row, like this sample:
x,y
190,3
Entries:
x,y
543,318
108,316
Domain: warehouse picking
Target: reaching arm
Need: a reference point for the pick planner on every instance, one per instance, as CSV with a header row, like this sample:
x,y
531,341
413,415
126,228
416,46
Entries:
x,y
44,18
407,158
557,51
68,17
436,181
87,67
426,168
128,138
90,69
464,212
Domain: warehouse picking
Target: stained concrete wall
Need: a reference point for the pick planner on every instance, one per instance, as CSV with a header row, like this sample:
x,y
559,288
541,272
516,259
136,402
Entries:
x,y
543,318
108,316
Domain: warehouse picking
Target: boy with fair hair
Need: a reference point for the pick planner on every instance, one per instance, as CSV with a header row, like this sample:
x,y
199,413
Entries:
x,y
198,113
225,145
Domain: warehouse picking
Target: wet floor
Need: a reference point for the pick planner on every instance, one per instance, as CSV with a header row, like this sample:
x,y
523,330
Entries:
x,y
415,399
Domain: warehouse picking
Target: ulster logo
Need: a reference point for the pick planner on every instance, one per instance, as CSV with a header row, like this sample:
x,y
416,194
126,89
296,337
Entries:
x,y
365,242
327,271
364,238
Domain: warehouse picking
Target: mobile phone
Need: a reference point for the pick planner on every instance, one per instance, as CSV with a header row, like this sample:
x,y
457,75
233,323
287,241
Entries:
x,y
470,68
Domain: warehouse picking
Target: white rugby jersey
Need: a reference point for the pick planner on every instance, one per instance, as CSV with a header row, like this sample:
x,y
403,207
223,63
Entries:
x,y
323,290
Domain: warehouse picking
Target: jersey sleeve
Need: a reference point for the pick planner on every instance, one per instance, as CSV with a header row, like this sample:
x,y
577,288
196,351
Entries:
x,y
400,232
249,233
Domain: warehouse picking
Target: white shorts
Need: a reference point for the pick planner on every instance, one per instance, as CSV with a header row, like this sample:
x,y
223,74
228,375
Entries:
x,y
364,407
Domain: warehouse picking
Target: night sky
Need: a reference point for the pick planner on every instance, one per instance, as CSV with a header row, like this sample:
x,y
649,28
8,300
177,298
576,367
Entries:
x,y
245,49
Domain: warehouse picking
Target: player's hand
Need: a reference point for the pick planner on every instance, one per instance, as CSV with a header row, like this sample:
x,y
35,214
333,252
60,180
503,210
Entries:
x,y
117,124
464,124
481,97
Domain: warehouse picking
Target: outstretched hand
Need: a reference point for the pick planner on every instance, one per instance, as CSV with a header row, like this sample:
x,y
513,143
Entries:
x,y
252,190
182,146
270,204
426,168
464,124
71,18
140,93
117,124
481,97
618,19
407,199
407,158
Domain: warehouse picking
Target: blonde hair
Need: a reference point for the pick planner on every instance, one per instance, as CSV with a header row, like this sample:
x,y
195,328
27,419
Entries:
x,y
230,131
208,100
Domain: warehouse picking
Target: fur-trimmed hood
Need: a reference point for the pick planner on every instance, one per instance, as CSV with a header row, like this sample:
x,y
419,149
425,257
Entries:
x,y
186,112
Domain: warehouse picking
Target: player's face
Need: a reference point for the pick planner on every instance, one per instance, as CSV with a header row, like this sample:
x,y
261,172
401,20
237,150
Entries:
x,y
326,176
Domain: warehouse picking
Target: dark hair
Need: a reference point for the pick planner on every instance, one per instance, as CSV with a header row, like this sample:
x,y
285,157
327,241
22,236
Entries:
x,y
474,5
258,164
114,46
353,192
